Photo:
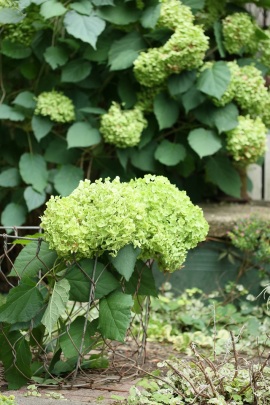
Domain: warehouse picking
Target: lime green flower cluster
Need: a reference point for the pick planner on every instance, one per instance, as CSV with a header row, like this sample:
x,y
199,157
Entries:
x,y
4,400
22,32
250,90
172,14
239,32
56,106
149,213
247,142
251,235
122,128
184,50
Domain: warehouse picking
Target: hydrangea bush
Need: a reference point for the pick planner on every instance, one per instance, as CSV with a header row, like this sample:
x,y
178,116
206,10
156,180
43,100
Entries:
x,y
94,90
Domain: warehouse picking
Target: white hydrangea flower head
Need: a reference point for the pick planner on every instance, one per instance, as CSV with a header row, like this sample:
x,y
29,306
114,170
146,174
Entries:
x,y
122,128
247,142
56,106
239,32
104,216
173,13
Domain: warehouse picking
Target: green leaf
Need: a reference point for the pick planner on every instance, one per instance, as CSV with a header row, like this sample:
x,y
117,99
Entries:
x,y
10,113
32,259
10,178
86,28
14,50
215,80
124,51
221,172
169,153
83,7
17,361
80,276
219,38
25,99
10,16
121,13
56,56
82,135
144,158
67,179
204,142
57,304
192,98
125,260
166,110
194,4
178,84
99,3
33,199
58,152
114,315
13,215
70,342
123,157
34,171
76,71
23,303
142,281
126,92
150,16
41,126
226,118
52,8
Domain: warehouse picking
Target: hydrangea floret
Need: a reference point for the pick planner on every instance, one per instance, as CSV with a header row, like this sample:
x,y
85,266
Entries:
x,y
239,32
56,106
247,142
9,4
22,32
264,50
150,68
122,128
104,216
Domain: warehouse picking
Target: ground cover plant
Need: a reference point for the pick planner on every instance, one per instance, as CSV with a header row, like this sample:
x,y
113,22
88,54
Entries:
x,y
226,350
90,273
103,88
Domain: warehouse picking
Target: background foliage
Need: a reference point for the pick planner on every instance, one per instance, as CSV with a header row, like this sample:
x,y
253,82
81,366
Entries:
x,y
64,64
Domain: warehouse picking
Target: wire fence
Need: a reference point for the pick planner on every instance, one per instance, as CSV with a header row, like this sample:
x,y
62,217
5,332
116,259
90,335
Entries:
x,y
74,354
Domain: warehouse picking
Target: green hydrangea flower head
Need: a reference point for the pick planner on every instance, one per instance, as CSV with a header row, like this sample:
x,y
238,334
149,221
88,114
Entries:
x,y
56,106
172,224
250,90
239,32
94,218
247,142
173,13
150,69
186,48
7,400
104,216
122,128
22,32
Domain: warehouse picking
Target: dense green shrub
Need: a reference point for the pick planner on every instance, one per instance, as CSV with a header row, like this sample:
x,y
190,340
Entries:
x,y
103,88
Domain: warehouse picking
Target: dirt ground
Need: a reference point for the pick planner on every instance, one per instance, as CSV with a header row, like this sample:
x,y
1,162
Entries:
x,y
99,387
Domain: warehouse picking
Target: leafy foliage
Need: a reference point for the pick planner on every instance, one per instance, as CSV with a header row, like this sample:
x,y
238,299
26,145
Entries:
x,y
98,76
